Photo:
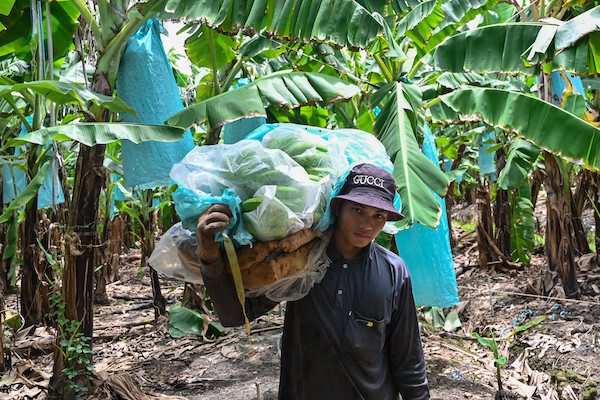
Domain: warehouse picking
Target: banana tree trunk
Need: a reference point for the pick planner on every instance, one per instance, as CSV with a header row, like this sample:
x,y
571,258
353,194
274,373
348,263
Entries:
x,y
3,237
485,228
578,200
560,244
81,242
596,203
159,303
503,211
31,283
3,366
112,235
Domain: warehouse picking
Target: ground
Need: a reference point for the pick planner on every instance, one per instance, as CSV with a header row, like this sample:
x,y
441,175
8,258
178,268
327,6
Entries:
x,y
136,358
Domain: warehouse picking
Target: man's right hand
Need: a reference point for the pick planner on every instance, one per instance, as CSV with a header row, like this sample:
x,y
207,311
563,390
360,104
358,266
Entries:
x,y
214,219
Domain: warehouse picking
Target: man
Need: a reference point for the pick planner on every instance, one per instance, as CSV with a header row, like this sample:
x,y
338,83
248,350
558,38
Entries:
x,y
355,335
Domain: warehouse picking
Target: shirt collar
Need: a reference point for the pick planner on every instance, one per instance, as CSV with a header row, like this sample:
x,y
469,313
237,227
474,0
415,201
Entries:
x,y
335,255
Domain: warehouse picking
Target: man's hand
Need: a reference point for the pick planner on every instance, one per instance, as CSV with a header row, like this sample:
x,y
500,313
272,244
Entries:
x,y
214,219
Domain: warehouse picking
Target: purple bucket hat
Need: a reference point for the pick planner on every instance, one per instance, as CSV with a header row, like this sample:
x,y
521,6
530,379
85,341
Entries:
x,y
371,186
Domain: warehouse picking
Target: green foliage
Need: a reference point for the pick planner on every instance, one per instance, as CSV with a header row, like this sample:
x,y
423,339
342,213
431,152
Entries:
x,y
139,207
418,177
183,320
521,157
538,121
92,134
441,318
492,343
281,90
523,224
74,346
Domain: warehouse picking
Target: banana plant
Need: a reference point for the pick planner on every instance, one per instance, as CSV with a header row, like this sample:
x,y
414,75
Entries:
x,y
530,48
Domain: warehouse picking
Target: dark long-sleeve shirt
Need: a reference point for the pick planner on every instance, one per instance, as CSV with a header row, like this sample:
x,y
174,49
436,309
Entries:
x,y
354,336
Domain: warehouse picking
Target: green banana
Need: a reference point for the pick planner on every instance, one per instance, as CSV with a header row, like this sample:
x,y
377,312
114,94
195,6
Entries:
x,y
272,177
288,193
313,160
319,171
252,204
297,148
274,223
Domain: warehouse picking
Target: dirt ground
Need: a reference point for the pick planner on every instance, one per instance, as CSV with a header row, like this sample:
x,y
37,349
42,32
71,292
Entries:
x,y
138,359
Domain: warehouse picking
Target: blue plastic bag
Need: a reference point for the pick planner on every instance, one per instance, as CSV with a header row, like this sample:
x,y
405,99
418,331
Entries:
x,y
427,253
146,82
486,160
51,182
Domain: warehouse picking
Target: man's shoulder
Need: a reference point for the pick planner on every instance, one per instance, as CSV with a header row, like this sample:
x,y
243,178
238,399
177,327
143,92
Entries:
x,y
392,258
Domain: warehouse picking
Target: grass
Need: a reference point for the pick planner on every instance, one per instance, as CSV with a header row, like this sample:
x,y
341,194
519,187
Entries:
x,y
465,226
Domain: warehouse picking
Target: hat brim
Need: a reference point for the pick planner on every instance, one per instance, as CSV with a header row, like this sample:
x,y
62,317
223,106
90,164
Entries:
x,y
368,199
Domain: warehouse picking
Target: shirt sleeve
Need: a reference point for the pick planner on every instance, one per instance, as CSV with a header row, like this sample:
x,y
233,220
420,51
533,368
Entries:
x,y
406,350
223,296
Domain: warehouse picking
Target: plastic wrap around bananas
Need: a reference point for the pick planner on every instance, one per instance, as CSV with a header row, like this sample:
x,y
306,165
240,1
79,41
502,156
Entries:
x,y
277,196
277,181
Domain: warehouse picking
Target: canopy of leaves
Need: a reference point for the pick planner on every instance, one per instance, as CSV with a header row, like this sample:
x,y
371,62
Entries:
x,y
285,90
15,40
344,22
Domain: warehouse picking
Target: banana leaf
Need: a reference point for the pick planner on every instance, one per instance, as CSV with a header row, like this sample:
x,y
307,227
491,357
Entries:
x,y
521,156
28,193
15,39
422,13
92,134
6,6
198,45
404,6
183,320
65,92
418,178
456,14
490,48
578,27
454,80
344,22
548,126
285,90
513,48
523,224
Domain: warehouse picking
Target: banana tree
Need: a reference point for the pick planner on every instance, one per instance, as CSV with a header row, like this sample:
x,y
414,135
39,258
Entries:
x,y
116,21
525,48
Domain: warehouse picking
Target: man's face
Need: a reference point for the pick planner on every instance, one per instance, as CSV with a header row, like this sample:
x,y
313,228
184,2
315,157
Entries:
x,y
357,225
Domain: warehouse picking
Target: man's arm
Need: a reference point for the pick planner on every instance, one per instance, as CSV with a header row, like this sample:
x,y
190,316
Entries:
x,y
406,351
221,288
219,283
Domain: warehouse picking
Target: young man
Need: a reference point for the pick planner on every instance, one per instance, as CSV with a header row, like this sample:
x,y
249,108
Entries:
x,y
355,335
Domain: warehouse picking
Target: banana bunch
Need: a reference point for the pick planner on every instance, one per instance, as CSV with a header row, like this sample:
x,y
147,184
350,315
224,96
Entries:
x,y
310,151
289,196
279,218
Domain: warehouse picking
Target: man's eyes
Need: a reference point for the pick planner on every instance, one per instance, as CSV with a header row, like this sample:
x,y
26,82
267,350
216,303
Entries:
x,y
379,216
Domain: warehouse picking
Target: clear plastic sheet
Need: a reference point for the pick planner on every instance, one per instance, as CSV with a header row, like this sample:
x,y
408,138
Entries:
x,y
297,285
175,255
247,169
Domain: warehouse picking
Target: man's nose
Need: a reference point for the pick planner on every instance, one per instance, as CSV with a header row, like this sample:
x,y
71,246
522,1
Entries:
x,y
365,223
